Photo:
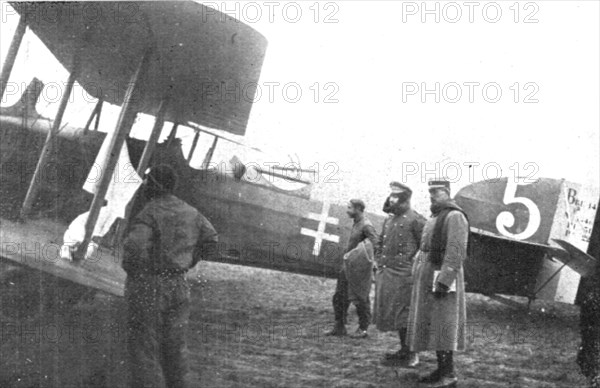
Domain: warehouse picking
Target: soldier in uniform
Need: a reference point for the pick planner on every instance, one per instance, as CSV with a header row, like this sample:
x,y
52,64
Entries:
x,y
164,241
400,239
362,229
438,310
588,357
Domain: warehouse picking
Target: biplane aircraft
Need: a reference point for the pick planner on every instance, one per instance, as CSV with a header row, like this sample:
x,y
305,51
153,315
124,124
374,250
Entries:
x,y
63,206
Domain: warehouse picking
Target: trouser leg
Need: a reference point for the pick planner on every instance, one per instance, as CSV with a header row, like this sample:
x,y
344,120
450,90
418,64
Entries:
x,y
340,300
402,334
174,351
363,310
143,338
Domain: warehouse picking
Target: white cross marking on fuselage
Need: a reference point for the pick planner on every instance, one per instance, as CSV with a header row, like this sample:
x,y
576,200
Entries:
x,y
320,234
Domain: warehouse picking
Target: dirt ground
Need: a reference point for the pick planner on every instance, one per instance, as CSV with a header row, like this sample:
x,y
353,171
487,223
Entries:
x,y
258,328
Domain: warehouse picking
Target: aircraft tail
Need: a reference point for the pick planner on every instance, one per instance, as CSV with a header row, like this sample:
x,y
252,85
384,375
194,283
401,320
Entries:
x,y
25,107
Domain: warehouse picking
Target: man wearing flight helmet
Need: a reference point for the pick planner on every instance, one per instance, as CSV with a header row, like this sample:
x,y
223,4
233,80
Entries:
x,y
165,239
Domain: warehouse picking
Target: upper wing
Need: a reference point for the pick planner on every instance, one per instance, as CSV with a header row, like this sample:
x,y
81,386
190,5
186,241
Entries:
x,y
208,61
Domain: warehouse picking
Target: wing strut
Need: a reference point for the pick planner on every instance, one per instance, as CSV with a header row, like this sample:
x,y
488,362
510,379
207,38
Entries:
x,y
193,147
159,122
172,134
577,260
124,124
540,288
48,148
12,55
96,113
209,154
143,164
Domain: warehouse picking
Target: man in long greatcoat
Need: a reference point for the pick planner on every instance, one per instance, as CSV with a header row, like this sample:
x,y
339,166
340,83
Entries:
x,y
398,244
438,316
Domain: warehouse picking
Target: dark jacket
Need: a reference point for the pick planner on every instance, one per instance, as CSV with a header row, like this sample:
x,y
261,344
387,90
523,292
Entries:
x,y
400,239
168,235
362,230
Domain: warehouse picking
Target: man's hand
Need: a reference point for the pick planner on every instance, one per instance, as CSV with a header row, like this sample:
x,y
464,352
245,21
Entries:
x,y
441,290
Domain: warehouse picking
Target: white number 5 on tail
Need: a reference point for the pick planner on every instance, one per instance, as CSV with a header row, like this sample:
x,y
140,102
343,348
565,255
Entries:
x,y
506,219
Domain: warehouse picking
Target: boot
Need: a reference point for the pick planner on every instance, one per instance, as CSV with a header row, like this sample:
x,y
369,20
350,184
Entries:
x,y
436,375
402,354
444,376
412,360
339,330
445,382
360,334
403,357
448,366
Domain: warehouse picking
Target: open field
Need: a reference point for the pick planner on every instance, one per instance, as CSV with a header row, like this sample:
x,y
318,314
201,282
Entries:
x,y
258,328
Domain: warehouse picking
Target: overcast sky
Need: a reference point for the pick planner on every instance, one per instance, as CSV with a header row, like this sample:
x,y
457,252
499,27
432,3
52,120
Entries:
x,y
370,61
